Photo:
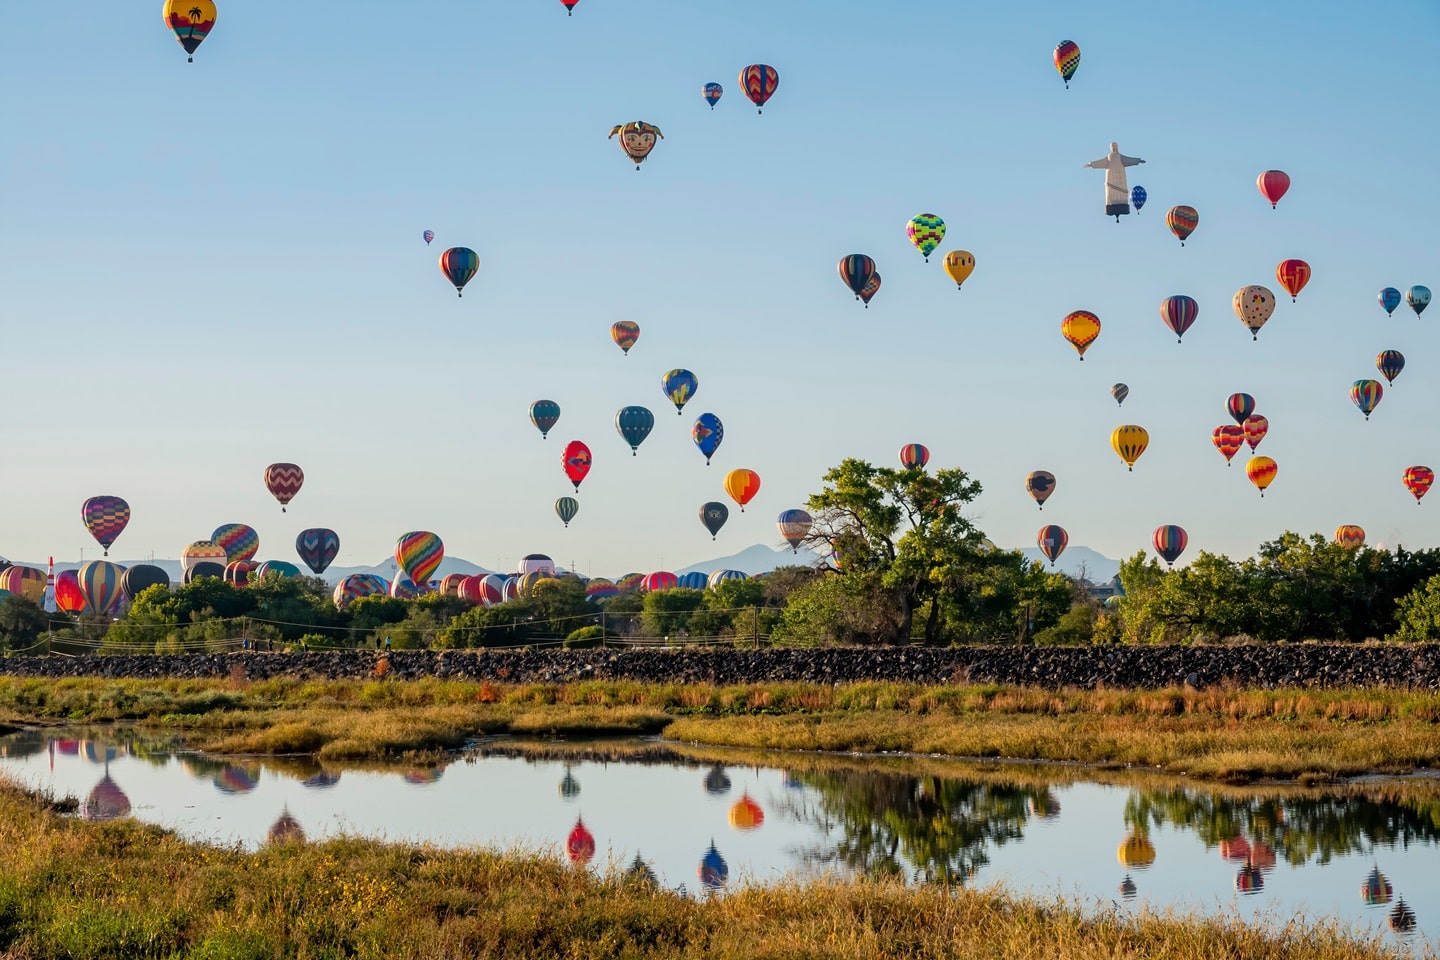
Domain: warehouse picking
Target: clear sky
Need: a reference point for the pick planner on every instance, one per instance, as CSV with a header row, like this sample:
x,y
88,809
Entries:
x,y
208,267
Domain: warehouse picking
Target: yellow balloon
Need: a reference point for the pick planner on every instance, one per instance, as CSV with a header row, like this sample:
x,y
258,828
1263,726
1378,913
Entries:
x,y
1136,852
1130,441
959,264
1080,327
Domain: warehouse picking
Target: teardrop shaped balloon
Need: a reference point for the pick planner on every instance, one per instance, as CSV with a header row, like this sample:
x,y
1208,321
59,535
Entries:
x,y
569,7
1253,305
1129,441
428,236
544,414
1350,535
1052,540
1040,484
318,547
284,480
959,264
459,264
1255,427
359,585
871,288
419,553
625,333
1182,221
1418,481
1390,298
742,485
1170,542
1067,60
759,81
68,595
191,21
679,386
1261,471
239,541
575,458
1179,312
100,583
925,231
713,516
1120,391
1240,405
712,92
1272,185
1080,327
1419,298
106,518
855,272
1390,363
707,433
566,508
1293,275
1228,439
634,424
914,456
1366,394
637,139
794,527
1138,196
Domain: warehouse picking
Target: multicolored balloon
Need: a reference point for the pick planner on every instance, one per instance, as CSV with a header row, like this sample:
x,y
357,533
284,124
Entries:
x,y
26,582
720,576
359,585
925,231
201,552
1253,305
679,386
566,508
1179,312
569,7
634,424
403,588
659,580
1040,484
871,288
794,527
1390,363
1366,394
712,92
284,480
318,547
707,433
1067,60
759,81
106,518
914,456
419,554
1170,542
1376,890
742,485
100,583
1350,535
1120,391
600,589
1390,298
239,541
1228,439
1418,480
856,271
1261,471
1052,540
459,264
1138,196
1272,185
1419,298
637,139
959,264
1182,221
69,598
1255,427
428,236
191,21
1080,327
625,333
544,414
1129,441
713,516
1293,275
575,458
1240,405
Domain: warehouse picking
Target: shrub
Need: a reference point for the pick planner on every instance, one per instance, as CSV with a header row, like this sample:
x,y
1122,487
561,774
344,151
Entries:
x,y
585,638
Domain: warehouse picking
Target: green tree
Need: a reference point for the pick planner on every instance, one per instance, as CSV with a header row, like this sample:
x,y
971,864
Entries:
x,y
1418,613
22,624
667,612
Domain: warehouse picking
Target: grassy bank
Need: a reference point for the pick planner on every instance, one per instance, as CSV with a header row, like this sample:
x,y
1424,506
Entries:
x,y
79,890
1225,734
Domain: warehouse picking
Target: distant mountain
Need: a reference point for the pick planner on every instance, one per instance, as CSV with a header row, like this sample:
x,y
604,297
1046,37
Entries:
x,y
1098,567
753,560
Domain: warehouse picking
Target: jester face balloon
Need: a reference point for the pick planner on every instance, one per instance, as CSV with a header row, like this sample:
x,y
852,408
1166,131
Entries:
x,y
637,139
1253,305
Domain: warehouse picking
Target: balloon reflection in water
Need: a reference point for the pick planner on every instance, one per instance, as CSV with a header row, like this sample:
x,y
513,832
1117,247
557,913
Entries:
x,y
1376,890
322,780
713,869
580,844
233,779
1262,855
424,777
717,784
1402,918
106,801
569,786
1236,848
285,829
1128,890
639,872
1249,880
1136,852
746,814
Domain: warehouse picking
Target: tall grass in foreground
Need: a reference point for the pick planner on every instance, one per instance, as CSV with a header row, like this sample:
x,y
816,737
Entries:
x,y
122,890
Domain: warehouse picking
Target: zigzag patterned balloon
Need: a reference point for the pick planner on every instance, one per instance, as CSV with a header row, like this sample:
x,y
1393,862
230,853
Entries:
x,y
283,480
419,554
318,548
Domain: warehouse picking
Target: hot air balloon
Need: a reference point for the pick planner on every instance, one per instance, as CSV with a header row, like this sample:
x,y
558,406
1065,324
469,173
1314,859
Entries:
x,y
678,386
419,554
925,231
428,236
1272,185
1419,298
1120,391
575,458
720,576
205,568
914,456
68,595
1390,299
1261,471
707,433
239,541
403,588
1052,540
1401,918
569,7
239,572
283,569
580,844
1129,441
742,485
1350,535
26,582
450,584
1255,427
544,414
1067,60
634,424
713,516
1293,275
625,333
1253,305
359,585
459,265
191,21
1228,439
141,577
794,527
746,814
1179,312
871,288
1249,880
106,518
712,92
1240,405
1138,196
1376,890
759,81
659,580
100,583
692,581
713,870
1418,481
600,589
283,480
566,508
959,264
317,548
492,589
1080,327
1366,395
1182,221
1040,484
1170,542
856,271
637,139
202,551
1390,363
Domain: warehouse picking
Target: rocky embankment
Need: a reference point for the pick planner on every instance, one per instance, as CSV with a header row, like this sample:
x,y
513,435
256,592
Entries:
x,y
1311,665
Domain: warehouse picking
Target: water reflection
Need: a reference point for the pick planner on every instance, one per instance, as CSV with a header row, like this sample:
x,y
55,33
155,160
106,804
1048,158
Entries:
x,y
285,829
714,871
105,801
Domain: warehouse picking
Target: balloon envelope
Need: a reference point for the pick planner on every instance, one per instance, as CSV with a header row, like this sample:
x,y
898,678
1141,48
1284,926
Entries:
x,y
1080,327
959,264
914,456
419,553
283,480
1253,305
239,541
679,386
1179,313
141,577
459,265
1228,439
871,288
1240,405
1170,542
68,595
100,583
544,414
1350,535
1390,363
1272,185
925,231
1138,196
1182,221
713,516
202,551
1390,299
1040,484
712,92
575,458
566,508
317,547
1255,427
1366,394
1129,441
191,21
106,518
1418,480
1261,471
1419,298
1067,60
634,425
707,433
1120,391
742,485
759,81
625,333
794,526
1293,275
1052,540
855,272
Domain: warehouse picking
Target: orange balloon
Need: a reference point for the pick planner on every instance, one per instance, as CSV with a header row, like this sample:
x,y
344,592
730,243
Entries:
x,y
746,814
1293,275
742,485
1350,535
1080,327
1261,471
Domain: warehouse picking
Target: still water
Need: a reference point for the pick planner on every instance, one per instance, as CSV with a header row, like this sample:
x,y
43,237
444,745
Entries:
x,y
1367,856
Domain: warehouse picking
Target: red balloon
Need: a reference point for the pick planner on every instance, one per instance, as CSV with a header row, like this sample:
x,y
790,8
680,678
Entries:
x,y
68,595
1273,184
576,460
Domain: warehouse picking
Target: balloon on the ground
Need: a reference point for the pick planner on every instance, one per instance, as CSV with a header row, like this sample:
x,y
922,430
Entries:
x,y
914,456
459,264
566,508
544,414
1138,196
100,583
855,272
1120,391
419,553
707,433
659,580
359,585
691,581
1390,363
1240,406
1170,542
202,551
871,288
759,81
1261,471
536,563
600,589
625,333
1255,427
925,231
713,516
106,518
1419,298
284,480
1117,192
1350,535
69,598
191,21
679,386
575,458
1228,439
1366,394
742,485
1052,540
794,526
141,577
239,540
1179,313
1272,185
1067,60
492,589
317,547
403,588
634,425
27,582
1253,305
1182,221
1040,484
1390,298
712,92
959,264
1129,441
1080,327
720,576
283,569
239,572
1293,275
637,139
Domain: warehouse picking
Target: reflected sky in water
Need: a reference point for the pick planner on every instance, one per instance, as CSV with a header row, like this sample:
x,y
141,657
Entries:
x,y
1254,854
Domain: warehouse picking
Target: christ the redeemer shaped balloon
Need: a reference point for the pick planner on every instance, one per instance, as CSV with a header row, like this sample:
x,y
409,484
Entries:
x,y
1117,191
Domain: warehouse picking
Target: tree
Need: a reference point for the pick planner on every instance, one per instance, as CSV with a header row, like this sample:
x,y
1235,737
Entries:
x,y
667,612
1418,613
22,623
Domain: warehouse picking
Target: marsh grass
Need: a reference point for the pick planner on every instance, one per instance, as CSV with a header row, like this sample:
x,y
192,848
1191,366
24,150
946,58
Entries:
x,y
88,891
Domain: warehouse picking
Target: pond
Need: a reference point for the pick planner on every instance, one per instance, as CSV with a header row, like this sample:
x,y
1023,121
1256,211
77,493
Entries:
x,y
1365,854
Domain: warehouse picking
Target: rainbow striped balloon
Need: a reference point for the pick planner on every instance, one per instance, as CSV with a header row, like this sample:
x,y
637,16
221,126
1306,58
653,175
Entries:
x,y
419,554
239,541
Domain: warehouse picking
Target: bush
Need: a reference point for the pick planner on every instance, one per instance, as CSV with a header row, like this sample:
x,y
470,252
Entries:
x,y
585,638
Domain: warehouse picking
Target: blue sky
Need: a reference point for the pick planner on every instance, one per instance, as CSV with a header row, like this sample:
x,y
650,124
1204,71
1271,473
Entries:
x,y
208,267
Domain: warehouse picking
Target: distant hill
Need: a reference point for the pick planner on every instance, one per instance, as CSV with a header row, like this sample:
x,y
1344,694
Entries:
x,y
753,560
1098,567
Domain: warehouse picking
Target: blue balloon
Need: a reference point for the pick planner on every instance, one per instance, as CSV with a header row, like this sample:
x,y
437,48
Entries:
x,y
712,94
634,424
1138,197
1390,299
694,581
707,434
